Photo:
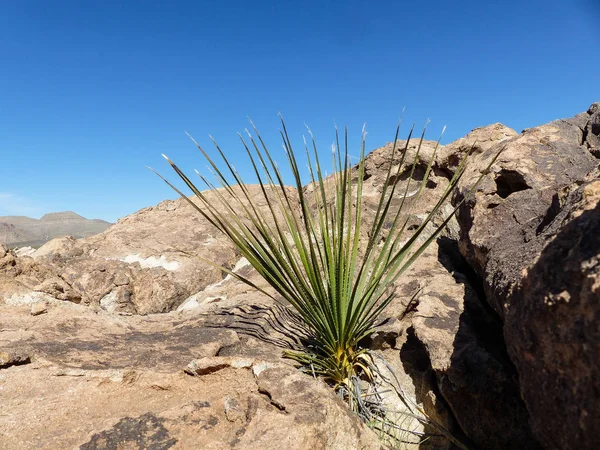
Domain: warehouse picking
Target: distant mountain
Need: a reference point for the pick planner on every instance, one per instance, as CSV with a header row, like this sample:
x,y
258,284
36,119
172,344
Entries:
x,y
20,231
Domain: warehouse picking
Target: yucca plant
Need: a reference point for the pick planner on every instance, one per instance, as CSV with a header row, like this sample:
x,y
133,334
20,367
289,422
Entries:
x,y
312,249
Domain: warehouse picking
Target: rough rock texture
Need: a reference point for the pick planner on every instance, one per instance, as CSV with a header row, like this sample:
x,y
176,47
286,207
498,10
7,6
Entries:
x,y
500,226
457,342
477,141
149,262
73,378
553,326
531,233
18,231
71,330
146,263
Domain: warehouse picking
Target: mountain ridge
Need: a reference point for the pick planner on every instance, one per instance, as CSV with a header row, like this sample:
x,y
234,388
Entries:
x,y
20,231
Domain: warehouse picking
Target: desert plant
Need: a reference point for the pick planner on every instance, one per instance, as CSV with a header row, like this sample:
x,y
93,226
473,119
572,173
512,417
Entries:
x,y
312,249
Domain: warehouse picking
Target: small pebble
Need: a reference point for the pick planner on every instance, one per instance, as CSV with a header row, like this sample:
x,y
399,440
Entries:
x,y
39,308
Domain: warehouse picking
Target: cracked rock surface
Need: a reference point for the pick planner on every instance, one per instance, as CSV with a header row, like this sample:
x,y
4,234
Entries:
x,y
128,340
97,381
531,235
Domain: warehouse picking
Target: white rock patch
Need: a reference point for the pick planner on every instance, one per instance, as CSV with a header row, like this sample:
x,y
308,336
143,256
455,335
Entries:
x,y
28,298
151,262
25,251
109,302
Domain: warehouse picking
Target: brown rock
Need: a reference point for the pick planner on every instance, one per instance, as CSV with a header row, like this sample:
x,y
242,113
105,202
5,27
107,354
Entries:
x,y
102,382
14,356
530,233
477,141
38,308
517,201
553,326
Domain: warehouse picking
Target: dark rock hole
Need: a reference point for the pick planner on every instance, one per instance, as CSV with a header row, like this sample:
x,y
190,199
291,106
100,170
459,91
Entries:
x,y
510,181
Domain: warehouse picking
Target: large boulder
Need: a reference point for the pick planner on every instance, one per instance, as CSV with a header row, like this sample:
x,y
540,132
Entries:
x,y
553,326
531,234
500,225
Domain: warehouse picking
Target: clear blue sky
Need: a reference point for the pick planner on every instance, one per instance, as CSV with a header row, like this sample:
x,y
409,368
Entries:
x,y
93,91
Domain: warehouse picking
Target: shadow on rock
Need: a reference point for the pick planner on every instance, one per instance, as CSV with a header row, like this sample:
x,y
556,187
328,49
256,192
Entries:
x,y
481,384
553,328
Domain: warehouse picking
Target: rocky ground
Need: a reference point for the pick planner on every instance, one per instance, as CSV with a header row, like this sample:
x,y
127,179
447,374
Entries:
x,y
128,340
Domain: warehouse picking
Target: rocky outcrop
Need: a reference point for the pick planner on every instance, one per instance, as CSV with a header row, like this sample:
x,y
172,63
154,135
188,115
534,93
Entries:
x,y
19,231
101,381
149,262
488,334
531,234
553,326
500,225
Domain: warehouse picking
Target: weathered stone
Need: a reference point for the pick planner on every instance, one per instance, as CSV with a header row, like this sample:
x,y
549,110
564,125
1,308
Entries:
x,y
38,308
116,382
517,200
445,345
553,326
530,233
14,356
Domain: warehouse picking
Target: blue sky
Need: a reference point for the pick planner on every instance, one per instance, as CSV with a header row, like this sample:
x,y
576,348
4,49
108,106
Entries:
x,y
91,92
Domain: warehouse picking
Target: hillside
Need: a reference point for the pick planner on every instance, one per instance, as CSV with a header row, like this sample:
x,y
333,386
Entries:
x,y
19,231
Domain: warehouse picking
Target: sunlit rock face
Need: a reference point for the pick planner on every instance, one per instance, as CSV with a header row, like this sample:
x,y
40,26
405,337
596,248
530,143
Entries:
x,y
499,346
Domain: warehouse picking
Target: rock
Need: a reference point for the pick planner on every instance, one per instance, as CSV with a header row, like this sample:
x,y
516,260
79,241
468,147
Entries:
x,y
515,203
449,354
59,289
118,300
591,130
477,141
117,382
158,253
58,247
553,326
38,308
530,233
20,231
14,356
